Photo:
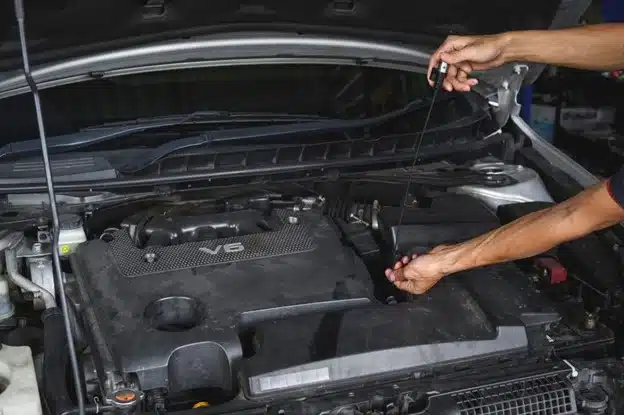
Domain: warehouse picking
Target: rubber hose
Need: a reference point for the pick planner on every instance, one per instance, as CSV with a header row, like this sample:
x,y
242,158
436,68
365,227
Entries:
x,y
91,410
55,362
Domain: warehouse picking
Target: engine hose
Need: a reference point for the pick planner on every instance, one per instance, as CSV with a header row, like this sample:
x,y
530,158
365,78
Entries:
x,y
55,361
91,410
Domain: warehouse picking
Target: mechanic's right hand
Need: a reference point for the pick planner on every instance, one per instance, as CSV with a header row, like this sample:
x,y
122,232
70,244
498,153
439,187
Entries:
x,y
419,273
465,54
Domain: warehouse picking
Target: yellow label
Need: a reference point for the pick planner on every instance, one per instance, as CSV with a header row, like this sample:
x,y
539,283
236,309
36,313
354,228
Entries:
x,y
65,249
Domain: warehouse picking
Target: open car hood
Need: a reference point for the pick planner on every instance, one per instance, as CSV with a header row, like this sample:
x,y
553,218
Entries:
x,y
66,28
71,41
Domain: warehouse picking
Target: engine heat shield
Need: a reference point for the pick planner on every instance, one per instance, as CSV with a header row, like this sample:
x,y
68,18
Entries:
x,y
178,317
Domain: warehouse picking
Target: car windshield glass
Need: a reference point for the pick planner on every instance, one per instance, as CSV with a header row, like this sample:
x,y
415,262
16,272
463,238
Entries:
x,y
326,91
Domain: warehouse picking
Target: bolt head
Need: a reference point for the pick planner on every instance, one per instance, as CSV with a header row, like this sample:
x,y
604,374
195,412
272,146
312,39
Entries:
x,y
150,257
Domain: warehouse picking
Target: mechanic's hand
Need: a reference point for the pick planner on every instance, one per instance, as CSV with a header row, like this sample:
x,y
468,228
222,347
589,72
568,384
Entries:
x,y
419,273
465,54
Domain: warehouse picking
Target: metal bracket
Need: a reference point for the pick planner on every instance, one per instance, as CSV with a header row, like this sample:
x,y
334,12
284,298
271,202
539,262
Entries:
x,y
30,249
42,273
38,258
506,101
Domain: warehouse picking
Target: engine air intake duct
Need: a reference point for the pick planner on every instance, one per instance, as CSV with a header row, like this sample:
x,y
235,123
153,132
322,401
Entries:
x,y
447,219
176,229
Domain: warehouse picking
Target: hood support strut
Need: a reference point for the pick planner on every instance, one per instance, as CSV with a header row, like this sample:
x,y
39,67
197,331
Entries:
x,y
58,275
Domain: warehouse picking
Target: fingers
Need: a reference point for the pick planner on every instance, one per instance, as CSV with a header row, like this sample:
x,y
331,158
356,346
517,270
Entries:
x,y
400,263
457,79
403,261
462,72
451,43
460,53
390,273
395,275
450,76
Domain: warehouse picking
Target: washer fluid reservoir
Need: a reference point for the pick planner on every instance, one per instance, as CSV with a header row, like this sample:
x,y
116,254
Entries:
x,y
19,393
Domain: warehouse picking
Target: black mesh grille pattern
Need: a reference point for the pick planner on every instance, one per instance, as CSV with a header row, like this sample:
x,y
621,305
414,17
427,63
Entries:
x,y
288,239
548,395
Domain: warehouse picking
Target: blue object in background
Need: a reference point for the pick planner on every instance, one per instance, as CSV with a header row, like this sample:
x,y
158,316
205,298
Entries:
x,y
613,10
525,99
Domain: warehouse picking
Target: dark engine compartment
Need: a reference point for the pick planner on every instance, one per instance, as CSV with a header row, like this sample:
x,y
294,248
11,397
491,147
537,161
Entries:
x,y
266,295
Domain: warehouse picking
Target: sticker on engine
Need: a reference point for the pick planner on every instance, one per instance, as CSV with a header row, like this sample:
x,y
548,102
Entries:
x,y
290,380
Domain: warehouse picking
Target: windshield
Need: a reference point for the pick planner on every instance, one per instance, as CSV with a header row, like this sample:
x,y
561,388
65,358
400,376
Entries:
x,y
323,90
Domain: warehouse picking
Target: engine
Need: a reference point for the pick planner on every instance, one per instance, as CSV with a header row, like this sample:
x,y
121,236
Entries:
x,y
170,300
214,297
218,298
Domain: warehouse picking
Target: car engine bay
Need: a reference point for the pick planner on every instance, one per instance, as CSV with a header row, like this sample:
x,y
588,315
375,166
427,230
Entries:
x,y
261,294
203,221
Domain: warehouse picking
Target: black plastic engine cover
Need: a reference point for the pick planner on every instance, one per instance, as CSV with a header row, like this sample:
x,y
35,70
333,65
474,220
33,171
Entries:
x,y
175,315
485,313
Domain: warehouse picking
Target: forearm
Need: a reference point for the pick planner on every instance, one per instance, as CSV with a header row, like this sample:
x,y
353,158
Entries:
x,y
593,47
537,232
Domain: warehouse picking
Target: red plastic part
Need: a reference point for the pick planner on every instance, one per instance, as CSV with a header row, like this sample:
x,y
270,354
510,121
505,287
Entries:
x,y
556,272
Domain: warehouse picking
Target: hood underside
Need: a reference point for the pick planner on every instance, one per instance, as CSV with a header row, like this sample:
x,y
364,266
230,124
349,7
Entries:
x,y
63,29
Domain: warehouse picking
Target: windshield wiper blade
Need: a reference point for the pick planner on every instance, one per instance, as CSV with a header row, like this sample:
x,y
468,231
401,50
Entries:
x,y
201,117
105,132
271,131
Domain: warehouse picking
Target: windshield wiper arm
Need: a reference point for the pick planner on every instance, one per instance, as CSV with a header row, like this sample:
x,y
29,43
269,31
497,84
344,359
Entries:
x,y
271,131
105,132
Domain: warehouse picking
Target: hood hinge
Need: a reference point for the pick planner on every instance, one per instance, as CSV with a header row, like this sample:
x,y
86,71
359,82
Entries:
x,y
505,99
